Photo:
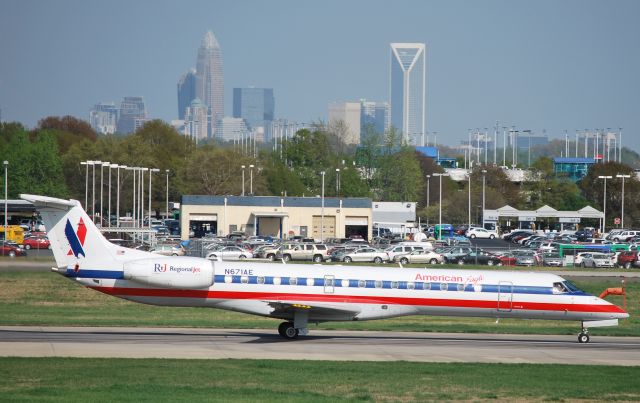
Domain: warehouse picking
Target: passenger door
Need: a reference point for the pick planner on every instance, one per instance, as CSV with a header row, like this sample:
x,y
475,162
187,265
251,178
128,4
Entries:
x,y
505,296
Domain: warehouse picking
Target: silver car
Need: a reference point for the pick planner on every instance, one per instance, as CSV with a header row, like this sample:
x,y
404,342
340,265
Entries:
x,y
420,256
230,253
597,260
366,255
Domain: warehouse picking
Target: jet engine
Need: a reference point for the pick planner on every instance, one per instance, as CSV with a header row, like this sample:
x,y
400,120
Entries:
x,y
171,272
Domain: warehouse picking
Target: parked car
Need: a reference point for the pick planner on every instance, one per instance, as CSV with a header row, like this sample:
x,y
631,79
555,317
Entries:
x,y
480,257
625,236
420,256
552,259
168,250
36,242
475,232
8,248
452,255
597,259
526,258
508,259
628,259
316,252
230,253
366,254
401,250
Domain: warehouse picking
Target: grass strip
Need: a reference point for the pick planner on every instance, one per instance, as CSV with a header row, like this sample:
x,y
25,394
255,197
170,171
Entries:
x,y
142,380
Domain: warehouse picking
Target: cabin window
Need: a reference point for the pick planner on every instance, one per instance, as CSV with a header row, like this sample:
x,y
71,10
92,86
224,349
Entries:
x,y
362,283
260,280
310,281
328,282
276,281
293,281
460,287
477,287
244,279
378,284
394,284
410,286
443,286
427,286
228,279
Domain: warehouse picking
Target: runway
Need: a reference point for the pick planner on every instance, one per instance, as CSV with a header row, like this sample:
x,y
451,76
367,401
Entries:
x,y
119,342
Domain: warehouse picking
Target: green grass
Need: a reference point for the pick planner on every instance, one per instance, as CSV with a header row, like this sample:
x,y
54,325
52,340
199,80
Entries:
x,y
47,299
126,380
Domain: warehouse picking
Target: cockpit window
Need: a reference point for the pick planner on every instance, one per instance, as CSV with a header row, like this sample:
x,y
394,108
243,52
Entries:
x,y
571,287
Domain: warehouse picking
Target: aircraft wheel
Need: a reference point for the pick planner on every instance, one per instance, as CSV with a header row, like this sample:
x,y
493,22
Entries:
x,y
583,338
287,330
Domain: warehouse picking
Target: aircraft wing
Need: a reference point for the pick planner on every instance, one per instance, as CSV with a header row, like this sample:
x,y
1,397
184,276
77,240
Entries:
x,y
317,310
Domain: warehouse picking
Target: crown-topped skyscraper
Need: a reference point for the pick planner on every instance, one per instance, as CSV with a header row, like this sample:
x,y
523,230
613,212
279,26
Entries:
x,y
209,82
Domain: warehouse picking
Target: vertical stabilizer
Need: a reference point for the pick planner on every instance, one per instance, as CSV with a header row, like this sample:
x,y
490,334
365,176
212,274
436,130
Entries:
x,y
75,240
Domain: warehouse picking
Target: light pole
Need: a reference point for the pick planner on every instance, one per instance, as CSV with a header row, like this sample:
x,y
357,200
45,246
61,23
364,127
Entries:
x,y
86,182
337,182
151,171
251,180
622,213
604,210
469,191
484,171
142,171
104,164
112,166
118,196
134,171
167,194
322,210
440,175
93,184
242,179
428,186
6,192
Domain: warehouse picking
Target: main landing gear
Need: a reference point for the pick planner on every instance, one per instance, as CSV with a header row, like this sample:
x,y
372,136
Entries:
x,y
583,337
299,326
287,330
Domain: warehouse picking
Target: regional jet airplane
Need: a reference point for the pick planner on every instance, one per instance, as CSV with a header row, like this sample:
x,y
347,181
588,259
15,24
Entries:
x,y
303,294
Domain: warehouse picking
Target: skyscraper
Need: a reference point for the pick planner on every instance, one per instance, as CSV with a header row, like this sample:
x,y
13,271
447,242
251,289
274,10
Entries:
x,y
407,90
347,113
133,114
209,85
195,120
103,118
374,116
186,91
254,105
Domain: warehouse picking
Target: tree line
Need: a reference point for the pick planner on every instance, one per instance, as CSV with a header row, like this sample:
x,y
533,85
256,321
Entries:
x,y
47,160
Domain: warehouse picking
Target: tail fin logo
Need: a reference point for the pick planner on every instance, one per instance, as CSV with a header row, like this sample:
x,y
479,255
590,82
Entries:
x,y
76,238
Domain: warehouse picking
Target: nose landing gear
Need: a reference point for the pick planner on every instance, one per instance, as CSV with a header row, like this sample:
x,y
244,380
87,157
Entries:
x,y
583,337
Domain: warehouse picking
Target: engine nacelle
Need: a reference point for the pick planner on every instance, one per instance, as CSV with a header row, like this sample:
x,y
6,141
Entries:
x,y
171,272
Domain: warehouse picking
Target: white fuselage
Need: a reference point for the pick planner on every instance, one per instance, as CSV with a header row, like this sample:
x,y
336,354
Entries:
x,y
338,293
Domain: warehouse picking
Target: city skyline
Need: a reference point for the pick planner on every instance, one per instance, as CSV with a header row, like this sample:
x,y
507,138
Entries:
x,y
544,65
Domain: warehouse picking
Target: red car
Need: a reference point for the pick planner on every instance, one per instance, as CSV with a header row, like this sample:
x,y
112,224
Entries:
x,y
508,259
36,242
11,250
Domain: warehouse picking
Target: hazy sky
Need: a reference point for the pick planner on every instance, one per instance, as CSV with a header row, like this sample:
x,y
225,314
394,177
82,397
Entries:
x,y
551,65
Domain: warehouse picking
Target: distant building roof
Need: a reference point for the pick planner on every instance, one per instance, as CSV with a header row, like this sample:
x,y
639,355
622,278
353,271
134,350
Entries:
x,y
275,201
572,160
429,152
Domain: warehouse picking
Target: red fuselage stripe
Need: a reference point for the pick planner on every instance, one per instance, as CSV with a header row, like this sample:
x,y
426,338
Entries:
x,y
355,299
